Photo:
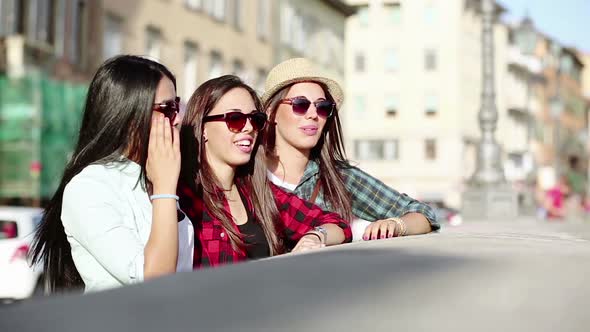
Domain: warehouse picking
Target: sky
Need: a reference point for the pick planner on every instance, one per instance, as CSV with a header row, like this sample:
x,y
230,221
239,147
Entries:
x,y
567,21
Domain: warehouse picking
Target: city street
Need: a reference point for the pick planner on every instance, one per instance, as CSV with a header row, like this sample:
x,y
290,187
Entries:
x,y
520,275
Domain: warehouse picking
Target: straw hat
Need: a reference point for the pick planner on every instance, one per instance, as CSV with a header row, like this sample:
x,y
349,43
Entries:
x,y
298,70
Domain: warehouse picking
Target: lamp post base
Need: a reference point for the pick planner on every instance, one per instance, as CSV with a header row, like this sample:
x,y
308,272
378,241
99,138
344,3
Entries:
x,y
498,202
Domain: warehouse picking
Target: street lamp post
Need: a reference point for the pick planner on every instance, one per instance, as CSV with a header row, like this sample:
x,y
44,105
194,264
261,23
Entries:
x,y
488,195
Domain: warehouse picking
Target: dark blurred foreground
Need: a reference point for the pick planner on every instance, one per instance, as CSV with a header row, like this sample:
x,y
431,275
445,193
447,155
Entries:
x,y
518,276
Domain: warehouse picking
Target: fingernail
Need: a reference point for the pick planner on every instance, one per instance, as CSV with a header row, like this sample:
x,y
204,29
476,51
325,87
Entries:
x,y
382,236
365,237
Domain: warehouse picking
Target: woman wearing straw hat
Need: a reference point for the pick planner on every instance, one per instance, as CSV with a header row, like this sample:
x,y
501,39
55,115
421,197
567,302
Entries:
x,y
305,154
238,215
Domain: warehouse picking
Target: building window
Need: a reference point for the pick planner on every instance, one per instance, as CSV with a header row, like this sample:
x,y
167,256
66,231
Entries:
x,y
238,69
391,60
391,106
287,22
79,28
369,149
393,13
431,105
153,45
190,69
218,10
363,15
298,37
430,14
262,24
377,149
260,79
430,60
430,149
236,14
391,150
359,62
216,65
40,21
193,4
11,17
360,104
60,27
113,36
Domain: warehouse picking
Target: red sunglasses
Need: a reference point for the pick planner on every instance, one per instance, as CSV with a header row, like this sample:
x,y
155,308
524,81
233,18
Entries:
x,y
236,120
300,105
169,108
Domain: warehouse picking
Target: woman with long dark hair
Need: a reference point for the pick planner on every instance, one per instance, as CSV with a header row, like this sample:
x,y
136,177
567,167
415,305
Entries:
x,y
238,215
113,219
305,155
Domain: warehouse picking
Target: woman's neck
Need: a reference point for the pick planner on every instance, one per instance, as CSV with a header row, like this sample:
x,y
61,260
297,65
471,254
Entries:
x,y
225,175
289,163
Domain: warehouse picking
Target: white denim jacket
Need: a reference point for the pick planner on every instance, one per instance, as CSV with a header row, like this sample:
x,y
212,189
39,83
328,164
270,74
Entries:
x,y
107,218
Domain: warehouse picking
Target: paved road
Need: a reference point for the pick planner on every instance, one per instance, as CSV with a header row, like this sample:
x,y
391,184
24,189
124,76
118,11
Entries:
x,y
501,276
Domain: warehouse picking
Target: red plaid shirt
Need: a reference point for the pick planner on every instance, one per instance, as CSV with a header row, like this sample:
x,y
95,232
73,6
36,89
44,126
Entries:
x,y
212,244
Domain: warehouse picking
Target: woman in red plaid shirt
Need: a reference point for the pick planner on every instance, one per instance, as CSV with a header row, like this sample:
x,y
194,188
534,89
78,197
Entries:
x,y
237,214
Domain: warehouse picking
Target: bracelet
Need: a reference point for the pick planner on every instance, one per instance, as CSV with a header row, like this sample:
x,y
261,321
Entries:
x,y
314,233
158,196
402,225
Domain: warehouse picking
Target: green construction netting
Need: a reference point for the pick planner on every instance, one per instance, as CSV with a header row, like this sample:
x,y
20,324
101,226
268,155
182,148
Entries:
x,y
39,118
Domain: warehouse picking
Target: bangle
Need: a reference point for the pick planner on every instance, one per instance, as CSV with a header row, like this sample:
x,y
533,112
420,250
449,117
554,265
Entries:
x,y
316,234
401,224
159,196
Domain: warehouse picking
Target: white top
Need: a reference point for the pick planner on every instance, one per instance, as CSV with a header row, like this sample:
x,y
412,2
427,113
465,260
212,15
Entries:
x,y
279,182
107,218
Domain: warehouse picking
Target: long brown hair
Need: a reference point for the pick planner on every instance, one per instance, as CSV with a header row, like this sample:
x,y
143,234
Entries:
x,y
197,173
329,153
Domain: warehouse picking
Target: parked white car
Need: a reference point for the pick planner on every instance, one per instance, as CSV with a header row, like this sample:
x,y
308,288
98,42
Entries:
x,y
18,280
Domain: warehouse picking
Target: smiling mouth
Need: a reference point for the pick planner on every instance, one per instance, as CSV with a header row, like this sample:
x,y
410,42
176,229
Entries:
x,y
244,143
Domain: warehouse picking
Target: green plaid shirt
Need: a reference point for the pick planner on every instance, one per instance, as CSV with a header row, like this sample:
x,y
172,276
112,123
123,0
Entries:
x,y
371,199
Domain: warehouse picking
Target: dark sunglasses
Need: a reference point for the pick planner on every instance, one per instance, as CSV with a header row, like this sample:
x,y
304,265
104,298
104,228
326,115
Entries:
x,y
300,105
236,121
169,108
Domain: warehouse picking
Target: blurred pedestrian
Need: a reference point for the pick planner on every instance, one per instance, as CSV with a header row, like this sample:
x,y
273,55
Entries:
x,y
305,155
555,199
113,219
223,187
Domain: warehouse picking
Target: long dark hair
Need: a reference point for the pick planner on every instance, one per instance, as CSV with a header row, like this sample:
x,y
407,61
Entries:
x,y
197,173
329,153
116,121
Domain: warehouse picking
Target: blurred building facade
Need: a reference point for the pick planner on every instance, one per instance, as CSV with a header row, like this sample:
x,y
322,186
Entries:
x,y
57,37
523,82
315,30
413,87
197,40
47,55
201,39
63,42
414,77
586,74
